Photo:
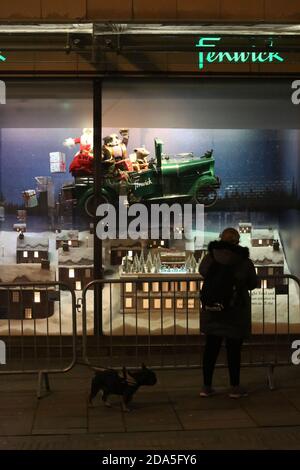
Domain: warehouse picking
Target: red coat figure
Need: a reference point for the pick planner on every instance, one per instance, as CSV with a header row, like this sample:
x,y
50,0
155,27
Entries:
x,y
82,163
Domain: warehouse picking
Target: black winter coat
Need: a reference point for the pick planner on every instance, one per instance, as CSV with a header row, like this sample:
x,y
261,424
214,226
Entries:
x,y
236,322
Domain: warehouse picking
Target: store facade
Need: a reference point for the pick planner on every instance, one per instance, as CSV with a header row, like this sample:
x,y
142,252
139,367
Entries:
x,y
201,119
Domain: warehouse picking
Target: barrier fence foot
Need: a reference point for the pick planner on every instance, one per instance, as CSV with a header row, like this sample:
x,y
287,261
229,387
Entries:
x,y
43,379
270,378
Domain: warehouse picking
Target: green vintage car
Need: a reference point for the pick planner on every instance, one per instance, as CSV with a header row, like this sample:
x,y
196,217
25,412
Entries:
x,y
168,179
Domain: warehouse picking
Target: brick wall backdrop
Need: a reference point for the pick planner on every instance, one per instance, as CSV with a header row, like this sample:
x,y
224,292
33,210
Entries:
x,y
231,11
148,10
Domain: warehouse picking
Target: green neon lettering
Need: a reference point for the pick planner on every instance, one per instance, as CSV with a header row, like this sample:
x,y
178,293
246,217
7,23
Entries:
x,y
276,56
233,56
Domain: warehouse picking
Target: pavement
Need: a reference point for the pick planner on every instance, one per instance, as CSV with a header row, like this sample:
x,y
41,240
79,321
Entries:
x,y
170,415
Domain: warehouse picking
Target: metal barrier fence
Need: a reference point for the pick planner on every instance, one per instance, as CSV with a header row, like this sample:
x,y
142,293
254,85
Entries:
x,y
157,321
37,329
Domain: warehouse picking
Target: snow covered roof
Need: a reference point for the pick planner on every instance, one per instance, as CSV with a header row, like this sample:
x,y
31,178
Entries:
x,y
32,243
25,273
67,235
81,257
245,224
262,234
266,255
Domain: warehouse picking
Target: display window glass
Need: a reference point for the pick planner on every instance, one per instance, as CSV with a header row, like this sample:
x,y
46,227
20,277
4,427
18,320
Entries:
x,y
45,125
232,145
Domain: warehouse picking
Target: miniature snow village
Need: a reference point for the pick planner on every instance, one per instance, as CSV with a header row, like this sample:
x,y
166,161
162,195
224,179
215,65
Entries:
x,y
62,251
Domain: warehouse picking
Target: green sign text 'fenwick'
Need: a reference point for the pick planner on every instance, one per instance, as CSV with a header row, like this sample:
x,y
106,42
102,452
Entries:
x,y
212,56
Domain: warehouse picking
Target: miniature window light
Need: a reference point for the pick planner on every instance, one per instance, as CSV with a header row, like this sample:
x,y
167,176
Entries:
x,y
128,302
264,284
28,313
146,303
15,297
145,286
179,303
191,303
155,286
70,242
128,287
36,254
78,285
168,303
25,254
71,273
37,297
157,303
260,242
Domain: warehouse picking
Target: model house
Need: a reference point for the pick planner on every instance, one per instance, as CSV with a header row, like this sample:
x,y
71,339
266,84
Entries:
x,y
162,295
262,237
69,237
245,227
22,302
75,266
32,249
270,262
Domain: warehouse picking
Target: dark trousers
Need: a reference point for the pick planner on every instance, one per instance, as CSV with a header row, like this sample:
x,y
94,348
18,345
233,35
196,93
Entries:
x,y
211,351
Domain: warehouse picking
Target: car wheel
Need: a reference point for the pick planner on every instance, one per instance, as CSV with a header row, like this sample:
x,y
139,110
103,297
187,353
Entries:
x,y
206,196
89,204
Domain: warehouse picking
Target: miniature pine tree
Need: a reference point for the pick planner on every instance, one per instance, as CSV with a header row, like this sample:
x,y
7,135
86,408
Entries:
x,y
126,265
193,264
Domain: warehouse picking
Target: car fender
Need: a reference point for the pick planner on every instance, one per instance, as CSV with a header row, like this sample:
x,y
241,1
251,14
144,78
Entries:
x,y
205,181
109,194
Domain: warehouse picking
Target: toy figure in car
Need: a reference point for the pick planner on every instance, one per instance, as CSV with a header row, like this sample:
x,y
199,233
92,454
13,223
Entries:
x,y
114,152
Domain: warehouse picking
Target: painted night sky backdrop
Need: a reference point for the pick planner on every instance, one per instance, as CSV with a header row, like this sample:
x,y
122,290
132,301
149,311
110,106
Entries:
x,y
241,155
251,125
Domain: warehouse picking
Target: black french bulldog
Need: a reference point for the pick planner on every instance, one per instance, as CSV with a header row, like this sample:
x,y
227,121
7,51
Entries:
x,y
111,383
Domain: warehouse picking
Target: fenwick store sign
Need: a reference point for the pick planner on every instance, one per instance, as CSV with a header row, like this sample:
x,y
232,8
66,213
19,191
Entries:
x,y
206,43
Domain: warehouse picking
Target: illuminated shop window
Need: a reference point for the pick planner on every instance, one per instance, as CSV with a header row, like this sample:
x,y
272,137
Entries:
x,y
28,313
37,297
270,271
165,286
87,273
128,287
193,286
191,303
78,285
179,303
25,254
168,303
15,297
36,254
71,273
155,286
157,303
128,302
145,286
264,284
146,303
183,286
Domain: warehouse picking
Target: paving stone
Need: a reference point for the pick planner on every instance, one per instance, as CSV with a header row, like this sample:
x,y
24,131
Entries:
x,y
17,413
61,412
157,417
215,419
271,409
